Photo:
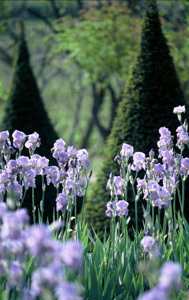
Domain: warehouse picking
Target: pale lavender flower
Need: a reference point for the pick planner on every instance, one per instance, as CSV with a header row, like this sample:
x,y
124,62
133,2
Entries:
x,y
72,152
184,170
29,178
179,109
23,161
116,185
141,184
61,202
165,142
3,210
34,160
39,240
18,139
170,277
83,158
43,163
126,151
159,195
155,294
12,167
52,175
4,140
15,274
158,171
111,209
59,147
80,187
4,135
68,291
27,294
138,161
13,223
72,163
62,175
63,158
168,158
122,208
72,254
33,141
15,189
182,136
147,243
4,177
47,278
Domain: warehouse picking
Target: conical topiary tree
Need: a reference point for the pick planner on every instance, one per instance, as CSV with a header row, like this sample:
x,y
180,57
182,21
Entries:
x,y
25,111
152,93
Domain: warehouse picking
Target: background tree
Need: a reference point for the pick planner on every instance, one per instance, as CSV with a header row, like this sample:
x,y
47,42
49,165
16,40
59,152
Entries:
x,y
84,121
25,111
152,93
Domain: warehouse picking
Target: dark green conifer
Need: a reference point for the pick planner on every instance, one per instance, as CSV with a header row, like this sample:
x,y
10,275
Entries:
x,y
25,111
152,93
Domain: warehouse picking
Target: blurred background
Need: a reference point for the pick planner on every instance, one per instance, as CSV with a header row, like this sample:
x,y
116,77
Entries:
x,y
81,54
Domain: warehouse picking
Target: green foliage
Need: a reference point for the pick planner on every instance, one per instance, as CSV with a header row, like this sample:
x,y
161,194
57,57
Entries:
x,y
3,92
152,93
101,41
25,110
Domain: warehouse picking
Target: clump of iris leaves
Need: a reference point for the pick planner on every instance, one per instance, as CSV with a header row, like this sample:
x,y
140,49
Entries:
x,y
66,260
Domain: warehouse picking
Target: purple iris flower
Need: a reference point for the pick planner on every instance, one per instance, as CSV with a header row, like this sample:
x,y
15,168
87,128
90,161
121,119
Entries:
x,y
165,142
59,147
18,139
4,135
111,208
23,161
72,152
72,254
158,170
12,167
147,243
15,189
138,161
182,136
179,109
155,294
68,291
184,170
116,185
52,175
29,178
83,158
15,274
4,177
170,277
126,151
122,208
61,202
33,141
39,240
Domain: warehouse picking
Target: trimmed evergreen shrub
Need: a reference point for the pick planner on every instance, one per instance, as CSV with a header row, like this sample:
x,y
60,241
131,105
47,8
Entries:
x,y
25,111
152,93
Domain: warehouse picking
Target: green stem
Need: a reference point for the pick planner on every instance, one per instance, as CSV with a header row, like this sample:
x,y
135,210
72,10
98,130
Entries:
x,y
33,204
164,224
183,197
43,197
153,215
25,190
180,200
174,209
